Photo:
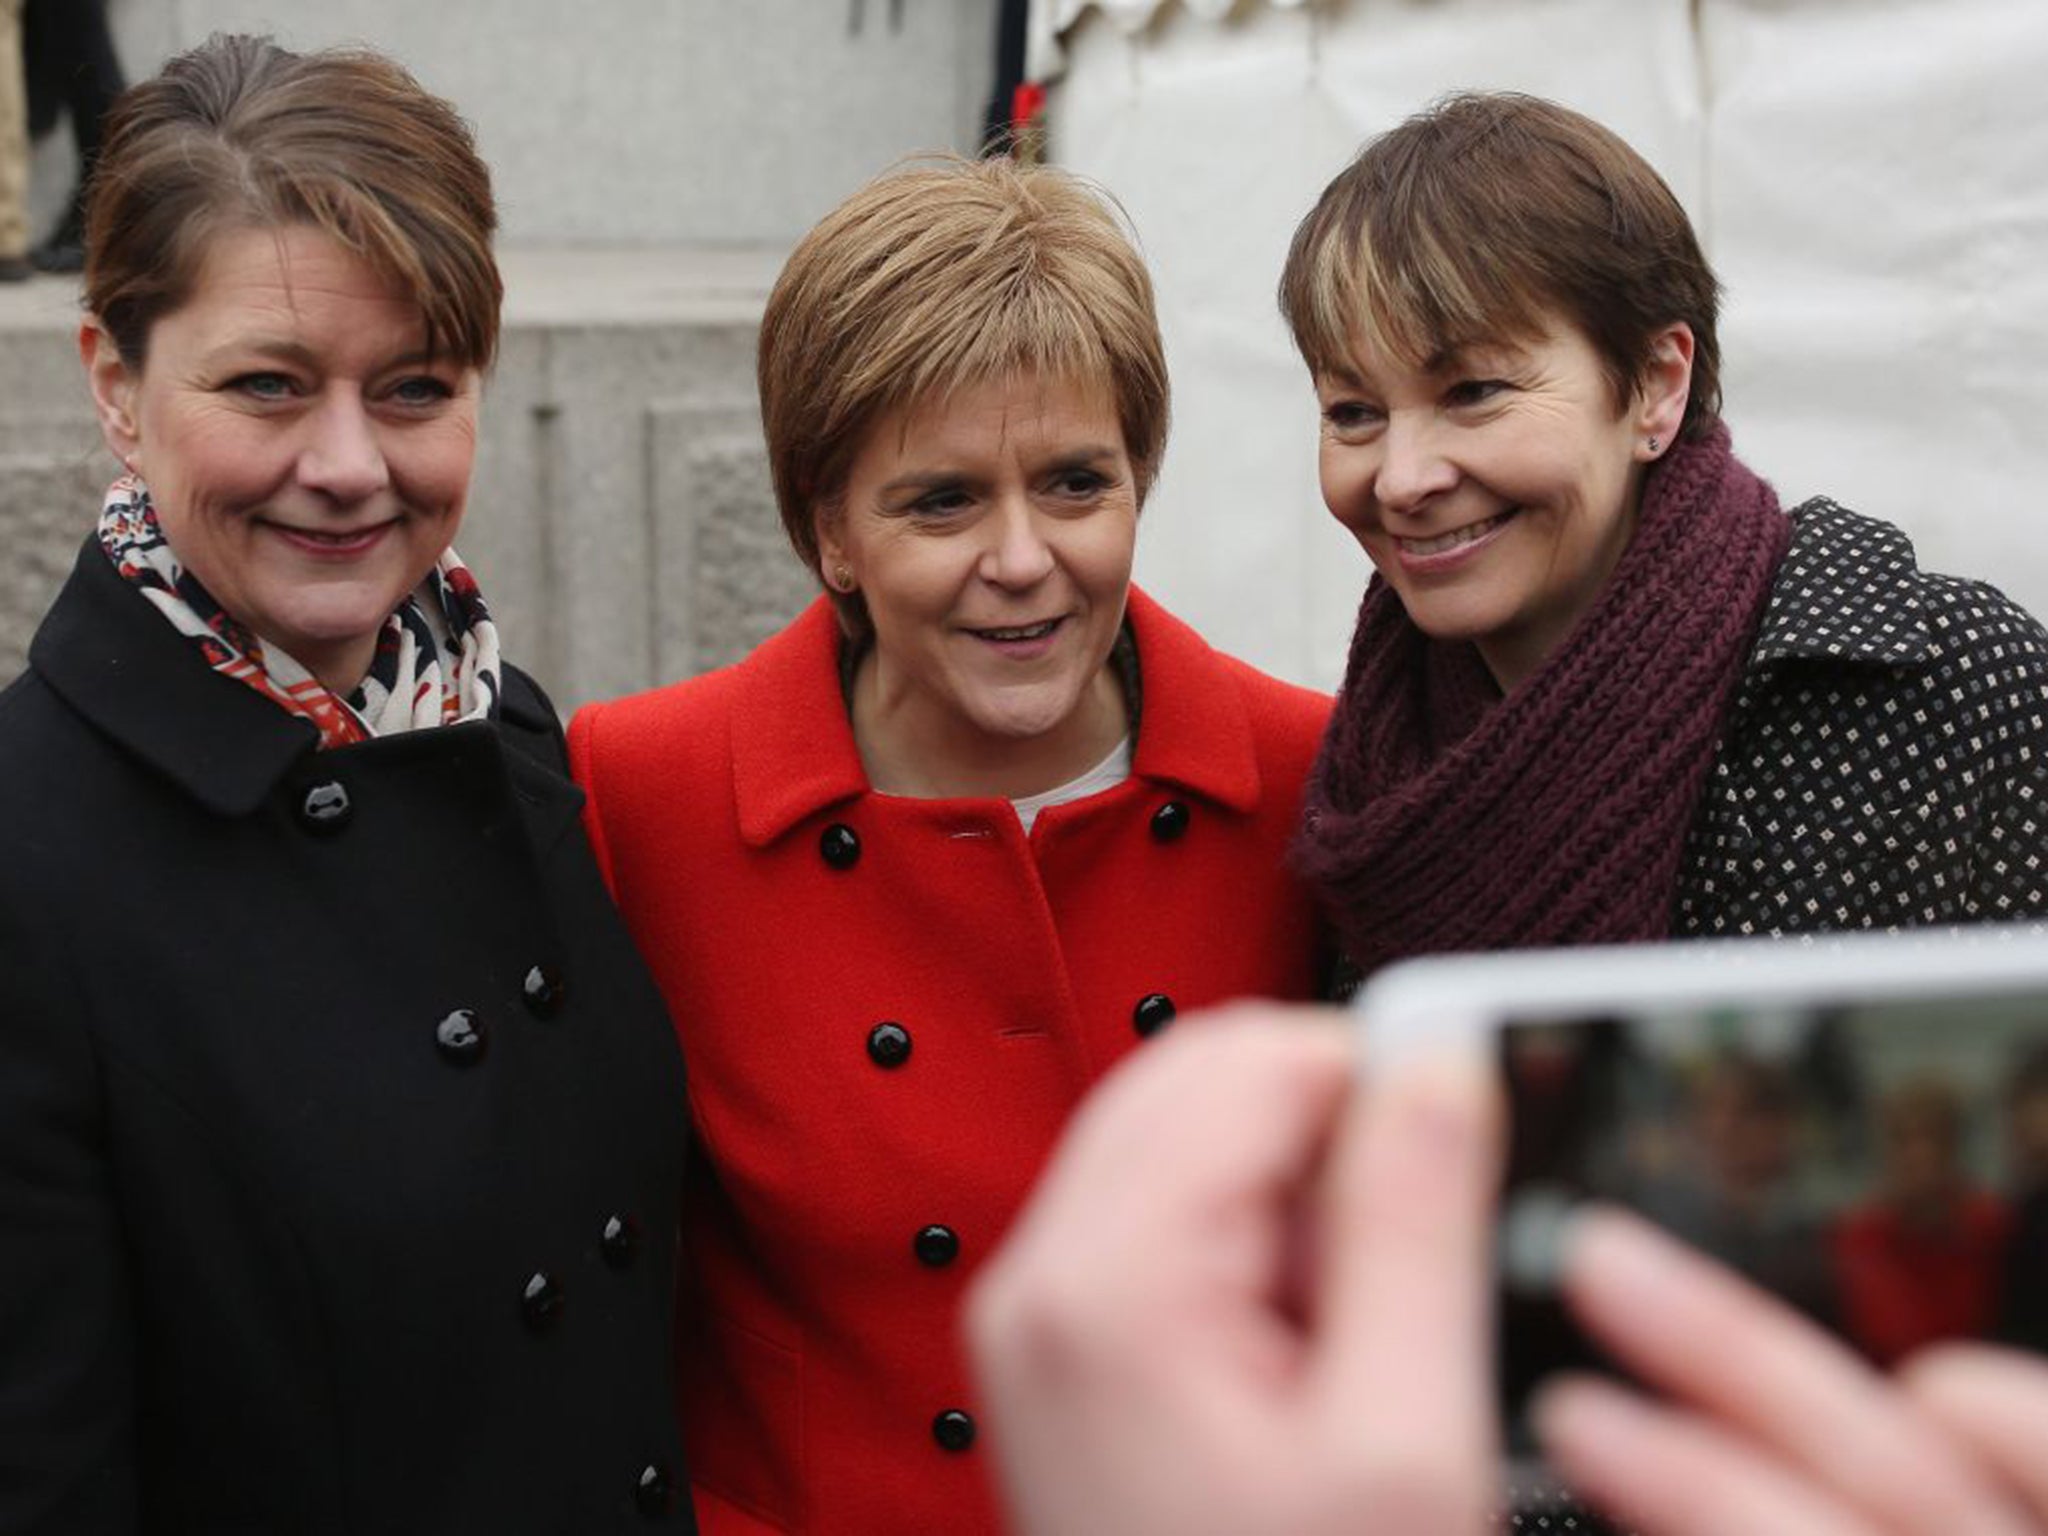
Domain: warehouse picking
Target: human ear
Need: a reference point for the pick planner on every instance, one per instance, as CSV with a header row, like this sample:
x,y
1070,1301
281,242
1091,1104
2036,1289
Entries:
x,y
113,392
1665,388
833,568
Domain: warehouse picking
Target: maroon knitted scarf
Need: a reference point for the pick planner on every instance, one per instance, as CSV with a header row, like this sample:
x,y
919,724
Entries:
x,y
1443,817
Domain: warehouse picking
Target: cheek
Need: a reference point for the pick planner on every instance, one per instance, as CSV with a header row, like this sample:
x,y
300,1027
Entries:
x,y
434,468
200,468
1344,477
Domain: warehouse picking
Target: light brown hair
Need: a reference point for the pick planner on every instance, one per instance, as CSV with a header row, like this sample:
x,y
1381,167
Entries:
x,y
1473,219
940,275
239,133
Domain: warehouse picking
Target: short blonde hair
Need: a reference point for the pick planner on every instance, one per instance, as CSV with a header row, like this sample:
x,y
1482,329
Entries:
x,y
1468,221
940,275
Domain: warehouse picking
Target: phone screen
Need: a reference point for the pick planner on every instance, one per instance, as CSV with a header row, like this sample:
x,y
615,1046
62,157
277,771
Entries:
x,y
1882,1166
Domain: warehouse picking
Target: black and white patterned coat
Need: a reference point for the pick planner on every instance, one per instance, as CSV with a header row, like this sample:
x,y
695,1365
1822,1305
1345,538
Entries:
x,y
1885,764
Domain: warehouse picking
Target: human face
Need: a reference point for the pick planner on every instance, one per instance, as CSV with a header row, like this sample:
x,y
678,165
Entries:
x,y
307,460
991,535
1495,489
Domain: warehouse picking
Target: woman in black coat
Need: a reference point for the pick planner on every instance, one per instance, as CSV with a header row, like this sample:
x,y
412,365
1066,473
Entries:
x,y
339,1146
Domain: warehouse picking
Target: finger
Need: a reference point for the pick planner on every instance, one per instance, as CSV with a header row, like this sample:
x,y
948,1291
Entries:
x,y
1403,1305
1995,1401
1668,1473
1111,1335
1695,1330
1176,1174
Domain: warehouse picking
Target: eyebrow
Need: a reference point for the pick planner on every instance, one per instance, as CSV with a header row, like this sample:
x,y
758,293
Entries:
x,y
931,480
283,349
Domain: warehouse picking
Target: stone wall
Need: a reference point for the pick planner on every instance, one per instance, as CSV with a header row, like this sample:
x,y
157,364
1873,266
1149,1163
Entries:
x,y
641,122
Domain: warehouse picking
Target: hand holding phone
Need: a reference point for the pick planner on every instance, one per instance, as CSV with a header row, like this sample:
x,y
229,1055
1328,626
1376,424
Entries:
x,y
1249,1295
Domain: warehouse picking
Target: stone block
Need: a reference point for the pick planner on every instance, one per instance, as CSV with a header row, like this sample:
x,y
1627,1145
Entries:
x,y
725,577
47,505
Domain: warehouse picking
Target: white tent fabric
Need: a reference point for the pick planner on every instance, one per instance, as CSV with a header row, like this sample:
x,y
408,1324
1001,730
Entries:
x,y
1867,175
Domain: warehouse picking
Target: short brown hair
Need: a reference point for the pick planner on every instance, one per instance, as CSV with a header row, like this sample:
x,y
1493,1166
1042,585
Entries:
x,y
942,274
239,133
1467,222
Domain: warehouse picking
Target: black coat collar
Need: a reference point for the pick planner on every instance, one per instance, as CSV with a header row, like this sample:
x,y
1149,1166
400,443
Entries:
x,y
110,656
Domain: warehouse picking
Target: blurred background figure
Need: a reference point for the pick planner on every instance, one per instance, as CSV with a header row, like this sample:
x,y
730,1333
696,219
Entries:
x,y
2024,1316
1734,1196
1922,1261
72,70
14,264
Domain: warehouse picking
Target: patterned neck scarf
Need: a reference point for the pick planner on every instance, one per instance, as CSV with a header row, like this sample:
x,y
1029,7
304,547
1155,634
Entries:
x,y
1442,817
436,660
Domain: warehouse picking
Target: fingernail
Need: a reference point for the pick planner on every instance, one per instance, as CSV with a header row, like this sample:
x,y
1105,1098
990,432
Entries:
x,y
1618,1248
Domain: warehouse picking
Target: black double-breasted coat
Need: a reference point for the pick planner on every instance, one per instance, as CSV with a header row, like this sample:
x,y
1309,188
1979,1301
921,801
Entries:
x,y
340,1127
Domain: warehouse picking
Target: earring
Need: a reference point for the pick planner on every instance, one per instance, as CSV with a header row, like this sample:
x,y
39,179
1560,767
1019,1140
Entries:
x,y
842,578
1651,444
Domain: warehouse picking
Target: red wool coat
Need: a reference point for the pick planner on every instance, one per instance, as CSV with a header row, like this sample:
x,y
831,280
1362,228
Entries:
x,y
888,1007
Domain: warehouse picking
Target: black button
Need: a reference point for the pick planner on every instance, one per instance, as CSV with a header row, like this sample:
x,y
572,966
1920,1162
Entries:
x,y
839,846
953,1429
541,1302
888,1044
620,1241
460,1037
544,990
326,807
654,1492
936,1245
1154,1012
1169,822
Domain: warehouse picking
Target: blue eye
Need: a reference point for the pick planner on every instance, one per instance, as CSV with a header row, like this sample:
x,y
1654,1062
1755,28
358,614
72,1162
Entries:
x,y
423,389
262,386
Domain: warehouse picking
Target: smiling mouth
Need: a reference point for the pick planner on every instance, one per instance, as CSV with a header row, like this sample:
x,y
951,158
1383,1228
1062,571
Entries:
x,y
1017,633
341,543
1457,538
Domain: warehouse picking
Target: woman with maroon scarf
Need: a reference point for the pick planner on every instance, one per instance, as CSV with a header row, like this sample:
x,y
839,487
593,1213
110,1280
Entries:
x,y
1602,687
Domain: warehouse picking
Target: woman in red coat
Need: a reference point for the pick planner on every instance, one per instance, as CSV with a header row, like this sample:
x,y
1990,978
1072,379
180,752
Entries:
x,y
927,863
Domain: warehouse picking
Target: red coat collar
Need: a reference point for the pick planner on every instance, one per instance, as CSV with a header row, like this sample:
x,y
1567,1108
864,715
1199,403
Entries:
x,y
794,753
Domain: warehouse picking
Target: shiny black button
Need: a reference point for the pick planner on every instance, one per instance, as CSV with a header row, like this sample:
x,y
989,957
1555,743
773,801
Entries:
x,y
541,1302
1154,1012
839,846
619,1241
936,1246
888,1044
544,991
654,1492
1169,822
460,1037
326,807
953,1429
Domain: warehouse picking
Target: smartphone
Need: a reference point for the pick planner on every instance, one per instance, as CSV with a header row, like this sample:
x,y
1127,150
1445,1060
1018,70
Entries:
x,y
1858,1124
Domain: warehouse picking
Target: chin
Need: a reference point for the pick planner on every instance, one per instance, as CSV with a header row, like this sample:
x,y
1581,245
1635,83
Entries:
x,y
1024,721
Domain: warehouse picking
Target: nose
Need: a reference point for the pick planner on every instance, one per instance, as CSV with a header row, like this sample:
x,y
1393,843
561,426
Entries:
x,y
342,457
1413,466
1017,554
